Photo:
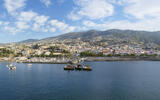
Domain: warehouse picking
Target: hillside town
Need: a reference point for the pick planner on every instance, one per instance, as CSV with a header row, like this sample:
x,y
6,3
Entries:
x,y
71,50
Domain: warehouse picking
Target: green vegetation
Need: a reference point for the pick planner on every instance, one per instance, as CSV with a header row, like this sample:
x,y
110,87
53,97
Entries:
x,y
53,49
6,53
120,55
91,54
100,54
110,55
35,46
148,55
130,55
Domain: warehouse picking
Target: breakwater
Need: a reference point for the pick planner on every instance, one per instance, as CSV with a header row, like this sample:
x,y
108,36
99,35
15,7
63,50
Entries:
x,y
65,60
123,59
54,60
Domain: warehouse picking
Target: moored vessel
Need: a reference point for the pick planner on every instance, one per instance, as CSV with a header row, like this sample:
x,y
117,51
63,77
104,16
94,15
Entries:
x,y
11,67
68,67
87,68
78,67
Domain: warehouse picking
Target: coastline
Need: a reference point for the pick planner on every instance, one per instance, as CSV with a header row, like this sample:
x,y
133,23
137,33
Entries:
x,y
42,60
68,60
89,59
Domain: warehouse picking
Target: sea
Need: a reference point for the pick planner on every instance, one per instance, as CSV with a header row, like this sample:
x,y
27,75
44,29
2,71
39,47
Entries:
x,y
123,80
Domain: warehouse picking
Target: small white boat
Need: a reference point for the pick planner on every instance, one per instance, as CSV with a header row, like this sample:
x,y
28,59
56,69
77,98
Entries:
x,y
11,67
87,68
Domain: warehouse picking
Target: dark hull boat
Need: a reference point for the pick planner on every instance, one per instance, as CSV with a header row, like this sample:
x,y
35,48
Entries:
x,y
68,67
79,67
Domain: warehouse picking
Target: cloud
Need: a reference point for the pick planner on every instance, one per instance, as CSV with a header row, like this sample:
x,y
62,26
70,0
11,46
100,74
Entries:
x,y
26,16
41,20
13,5
34,22
1,22
40,23
52,29
61,26
92,9
139,15
73,16
89,23
23,21
22,25
141,9
145,24
58,24
70,29
13,30
46,2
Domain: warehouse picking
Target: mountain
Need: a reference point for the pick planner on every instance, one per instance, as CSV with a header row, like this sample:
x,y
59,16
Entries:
x,y
115,34
112,36
29,41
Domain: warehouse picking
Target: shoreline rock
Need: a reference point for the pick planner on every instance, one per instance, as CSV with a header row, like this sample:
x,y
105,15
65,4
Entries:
x,y
68,60
89,59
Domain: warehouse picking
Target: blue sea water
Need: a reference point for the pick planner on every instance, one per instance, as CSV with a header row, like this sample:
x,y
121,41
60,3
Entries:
x,y
128,80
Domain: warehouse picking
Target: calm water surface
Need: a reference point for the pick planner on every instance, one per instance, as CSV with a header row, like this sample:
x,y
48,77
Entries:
x,y
138,80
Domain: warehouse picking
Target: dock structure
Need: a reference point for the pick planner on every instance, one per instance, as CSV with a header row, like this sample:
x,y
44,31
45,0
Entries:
x,y
78,67
68,67
87,68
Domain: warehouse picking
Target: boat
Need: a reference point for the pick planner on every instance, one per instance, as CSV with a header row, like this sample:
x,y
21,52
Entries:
x,y
68,67
11,67
87,68
79,67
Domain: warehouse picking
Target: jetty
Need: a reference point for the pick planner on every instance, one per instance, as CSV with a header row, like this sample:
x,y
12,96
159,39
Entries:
x,y
68,67
78,67
49,60
87,68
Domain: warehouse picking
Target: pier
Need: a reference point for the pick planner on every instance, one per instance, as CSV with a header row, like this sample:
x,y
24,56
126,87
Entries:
x,y
52,60
78,67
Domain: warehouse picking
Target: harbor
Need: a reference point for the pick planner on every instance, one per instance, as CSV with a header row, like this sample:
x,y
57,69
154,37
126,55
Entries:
x,y
125,80
53,60
78,67
66,60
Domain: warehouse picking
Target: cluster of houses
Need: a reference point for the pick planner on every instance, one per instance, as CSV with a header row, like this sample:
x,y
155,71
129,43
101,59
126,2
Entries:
x,y
73,47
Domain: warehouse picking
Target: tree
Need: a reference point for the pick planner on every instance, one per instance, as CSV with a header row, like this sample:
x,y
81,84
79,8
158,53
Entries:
x,y
35,46
110,55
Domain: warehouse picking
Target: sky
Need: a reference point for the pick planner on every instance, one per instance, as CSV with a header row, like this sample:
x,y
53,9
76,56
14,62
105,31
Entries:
x,y
37,19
